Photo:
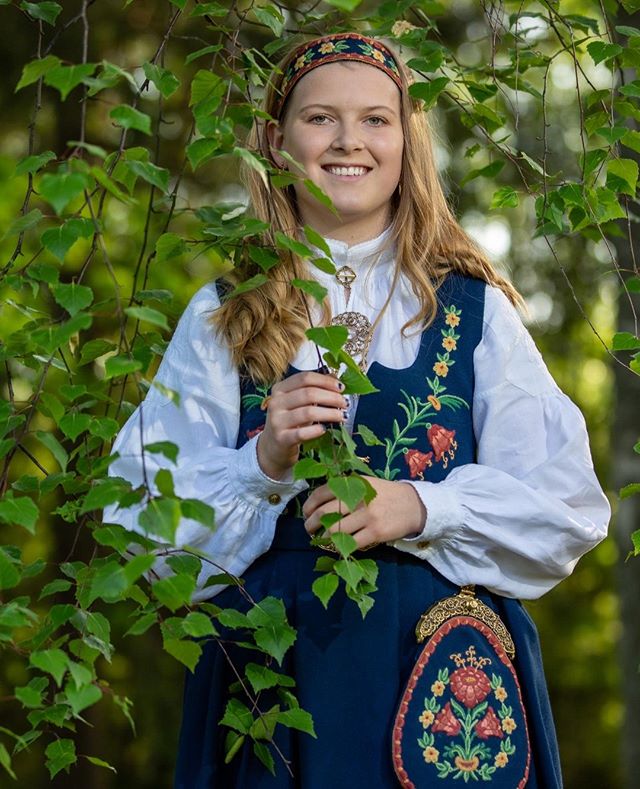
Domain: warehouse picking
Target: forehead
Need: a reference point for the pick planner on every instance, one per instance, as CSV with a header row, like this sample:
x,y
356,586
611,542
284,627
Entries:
x,y
345,83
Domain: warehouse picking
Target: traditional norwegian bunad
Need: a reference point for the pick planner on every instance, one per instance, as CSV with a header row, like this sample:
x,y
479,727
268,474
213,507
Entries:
x,y
387,710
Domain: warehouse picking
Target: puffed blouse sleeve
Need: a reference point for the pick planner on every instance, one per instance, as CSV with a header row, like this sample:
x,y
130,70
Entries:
x,y
518,519
204,427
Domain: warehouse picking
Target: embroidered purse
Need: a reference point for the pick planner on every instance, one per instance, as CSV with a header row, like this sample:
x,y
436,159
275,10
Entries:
x,y
461,715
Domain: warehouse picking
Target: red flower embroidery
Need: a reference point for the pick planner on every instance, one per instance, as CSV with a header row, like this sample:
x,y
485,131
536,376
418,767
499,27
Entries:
x,y
417,462
489,726
442,440
255,431
470,685
446,721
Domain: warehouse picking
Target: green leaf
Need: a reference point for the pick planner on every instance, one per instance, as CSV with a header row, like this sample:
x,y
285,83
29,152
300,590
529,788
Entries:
x,y
82,697
104,493
24,223
600,51
207,86
66,78
32,71
72,297
22,511
229,617
490,171
164,482
330,337
428,92
307,468
156,176
47,11
198,625
104,428
100,763
60,755
201,52
250,284
168,246
368,436
323,198
625,341
313,237
344,5
74,423
505,197
201,150
622,176
59,240
110,185
149,315
325,587
263,753
9,571
298,248
94,150
265,258
142,624
271,17
5,761
164,80
49,441
254,162
60,189
198,511
635,539
349,490
350,571
129,118
51,661
161,518
345,543
31,164
95,348
166,448
237,716
324,264
115,366
297,719
59,585
175,591
312,287
630,490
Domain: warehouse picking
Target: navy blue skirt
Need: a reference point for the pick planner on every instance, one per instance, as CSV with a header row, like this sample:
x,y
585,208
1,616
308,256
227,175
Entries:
x,y
350,675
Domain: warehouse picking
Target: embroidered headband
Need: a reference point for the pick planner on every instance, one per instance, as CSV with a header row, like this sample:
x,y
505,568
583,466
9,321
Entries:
x,y
338,46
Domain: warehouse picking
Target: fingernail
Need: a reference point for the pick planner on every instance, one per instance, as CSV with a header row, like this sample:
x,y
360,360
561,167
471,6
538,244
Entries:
x,y
341,386
347,402
345,415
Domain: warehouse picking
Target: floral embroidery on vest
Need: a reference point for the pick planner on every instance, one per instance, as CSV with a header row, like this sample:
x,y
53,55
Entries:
x,y
420,413
479,734
255,400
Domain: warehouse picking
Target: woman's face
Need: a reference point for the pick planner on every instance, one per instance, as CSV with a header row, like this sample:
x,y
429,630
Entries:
x,y
343,125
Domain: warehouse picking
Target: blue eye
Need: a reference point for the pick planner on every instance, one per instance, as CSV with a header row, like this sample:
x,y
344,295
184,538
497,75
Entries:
x,y
318,120
376,120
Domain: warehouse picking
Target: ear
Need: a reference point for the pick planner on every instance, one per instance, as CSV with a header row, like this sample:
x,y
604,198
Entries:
x,y
275,137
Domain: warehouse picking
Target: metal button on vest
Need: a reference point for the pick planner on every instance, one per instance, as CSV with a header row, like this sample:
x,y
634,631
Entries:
x,y
274,498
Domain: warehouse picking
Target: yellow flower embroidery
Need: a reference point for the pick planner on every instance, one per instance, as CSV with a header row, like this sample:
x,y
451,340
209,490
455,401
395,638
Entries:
x,y
441,368
449,344
500,693
431,754
452,320
508,725
434,402
501,759
437,688
378,55
327,47
427,718
300,62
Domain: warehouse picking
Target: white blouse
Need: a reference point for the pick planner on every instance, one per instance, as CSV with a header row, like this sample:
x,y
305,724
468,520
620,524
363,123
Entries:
x,y
516,521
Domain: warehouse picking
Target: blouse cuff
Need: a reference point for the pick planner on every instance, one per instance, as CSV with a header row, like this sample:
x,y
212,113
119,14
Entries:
x,y
252,485
445,516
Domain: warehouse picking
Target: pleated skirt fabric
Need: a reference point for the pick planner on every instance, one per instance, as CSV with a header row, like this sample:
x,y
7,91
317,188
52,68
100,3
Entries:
x,y
350,674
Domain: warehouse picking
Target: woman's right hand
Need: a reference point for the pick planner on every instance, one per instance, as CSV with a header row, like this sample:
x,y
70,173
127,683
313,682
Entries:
x,y
296,411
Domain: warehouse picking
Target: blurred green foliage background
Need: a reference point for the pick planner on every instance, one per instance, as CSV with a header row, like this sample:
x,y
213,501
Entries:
x,y
579,621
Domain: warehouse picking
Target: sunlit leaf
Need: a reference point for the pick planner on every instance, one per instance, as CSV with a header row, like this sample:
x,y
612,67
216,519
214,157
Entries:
x,y
131,118
60,755
35,69
47,11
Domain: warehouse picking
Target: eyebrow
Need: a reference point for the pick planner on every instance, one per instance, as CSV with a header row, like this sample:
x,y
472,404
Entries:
x,y
375,108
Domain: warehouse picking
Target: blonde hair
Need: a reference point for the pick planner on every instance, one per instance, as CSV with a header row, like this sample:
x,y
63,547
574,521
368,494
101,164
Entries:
x,y
265,327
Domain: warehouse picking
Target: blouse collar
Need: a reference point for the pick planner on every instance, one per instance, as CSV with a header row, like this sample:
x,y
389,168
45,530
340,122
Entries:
x,y
358,254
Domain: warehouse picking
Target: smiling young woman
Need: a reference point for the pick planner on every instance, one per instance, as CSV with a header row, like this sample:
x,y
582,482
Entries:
x,y
482,471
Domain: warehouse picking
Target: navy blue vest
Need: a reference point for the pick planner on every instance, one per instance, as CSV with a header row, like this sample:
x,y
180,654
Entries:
x,y
423,413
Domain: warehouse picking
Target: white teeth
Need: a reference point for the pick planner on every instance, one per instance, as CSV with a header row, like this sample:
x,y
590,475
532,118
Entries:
x,y
347,170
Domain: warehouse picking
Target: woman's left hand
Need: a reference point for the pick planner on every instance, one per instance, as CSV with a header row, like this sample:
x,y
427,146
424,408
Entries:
x,y
396,512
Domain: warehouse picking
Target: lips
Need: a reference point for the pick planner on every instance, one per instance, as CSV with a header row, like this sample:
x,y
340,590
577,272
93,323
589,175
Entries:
x,y
343,170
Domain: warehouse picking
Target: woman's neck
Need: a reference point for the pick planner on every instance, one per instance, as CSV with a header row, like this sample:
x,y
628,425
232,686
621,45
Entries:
x,y
350,233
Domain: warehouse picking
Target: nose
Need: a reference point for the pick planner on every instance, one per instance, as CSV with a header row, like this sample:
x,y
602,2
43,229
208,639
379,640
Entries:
x,y
347,138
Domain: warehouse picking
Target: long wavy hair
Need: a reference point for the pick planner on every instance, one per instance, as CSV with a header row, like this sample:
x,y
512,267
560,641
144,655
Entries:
x,y
266,326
